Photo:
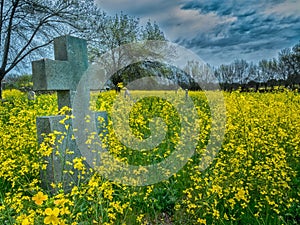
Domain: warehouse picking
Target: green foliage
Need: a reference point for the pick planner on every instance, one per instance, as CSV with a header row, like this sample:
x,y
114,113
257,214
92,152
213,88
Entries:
x,y
21,82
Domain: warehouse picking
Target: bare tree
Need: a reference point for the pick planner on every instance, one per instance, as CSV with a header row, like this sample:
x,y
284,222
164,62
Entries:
x,y
289,64
240,71
227,75
27,26
111,34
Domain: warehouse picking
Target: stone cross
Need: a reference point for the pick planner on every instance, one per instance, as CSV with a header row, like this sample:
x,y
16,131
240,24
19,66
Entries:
x,y
61,75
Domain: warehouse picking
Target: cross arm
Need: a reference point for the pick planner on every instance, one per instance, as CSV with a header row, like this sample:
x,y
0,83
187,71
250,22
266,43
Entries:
x,y
52,75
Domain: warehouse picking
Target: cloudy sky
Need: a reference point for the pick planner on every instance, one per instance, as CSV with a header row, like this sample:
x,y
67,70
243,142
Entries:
x,y
220,31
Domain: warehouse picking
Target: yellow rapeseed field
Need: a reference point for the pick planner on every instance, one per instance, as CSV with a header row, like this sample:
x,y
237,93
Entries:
x,y
253,178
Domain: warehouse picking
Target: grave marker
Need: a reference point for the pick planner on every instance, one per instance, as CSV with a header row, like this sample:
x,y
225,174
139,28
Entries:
x,y
127,93
61,75
31,95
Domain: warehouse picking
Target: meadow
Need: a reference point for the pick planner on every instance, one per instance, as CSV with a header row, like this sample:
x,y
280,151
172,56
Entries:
x,y
252,178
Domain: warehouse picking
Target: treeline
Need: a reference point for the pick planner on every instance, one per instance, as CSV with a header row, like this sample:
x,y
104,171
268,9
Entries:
x,y
265,75
283,71
20,82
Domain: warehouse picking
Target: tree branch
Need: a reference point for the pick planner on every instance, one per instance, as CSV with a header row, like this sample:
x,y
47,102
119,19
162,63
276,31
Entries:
x,y
1,20
26,54
8,40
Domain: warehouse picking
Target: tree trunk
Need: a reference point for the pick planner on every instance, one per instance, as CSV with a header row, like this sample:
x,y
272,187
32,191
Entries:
x,y
2,75
256,86
0,89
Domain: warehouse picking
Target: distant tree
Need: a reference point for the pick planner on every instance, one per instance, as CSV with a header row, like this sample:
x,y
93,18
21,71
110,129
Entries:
x,y
289,64
227,75
240,67
264,69
22,82
107,33
253,73
284,70
268,70
296,61
201,73
152,32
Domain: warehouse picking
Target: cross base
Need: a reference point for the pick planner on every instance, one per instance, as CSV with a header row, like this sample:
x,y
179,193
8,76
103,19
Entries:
x,y
58,170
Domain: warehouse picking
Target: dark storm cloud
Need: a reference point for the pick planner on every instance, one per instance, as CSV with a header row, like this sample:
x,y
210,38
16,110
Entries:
x,y
252,31
229,7
221,30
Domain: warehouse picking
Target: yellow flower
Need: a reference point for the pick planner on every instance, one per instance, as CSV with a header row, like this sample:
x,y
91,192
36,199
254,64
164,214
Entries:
x,y
201,221
216,213
140,218
39,198
52,216
65,211
26,222
241,194
225,216
78,164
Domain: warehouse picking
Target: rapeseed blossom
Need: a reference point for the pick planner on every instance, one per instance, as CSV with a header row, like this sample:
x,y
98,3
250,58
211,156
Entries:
x,y
39,198
252,180
51,216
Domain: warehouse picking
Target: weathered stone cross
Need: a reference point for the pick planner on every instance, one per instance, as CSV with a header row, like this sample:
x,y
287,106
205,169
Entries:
x,y
61,75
